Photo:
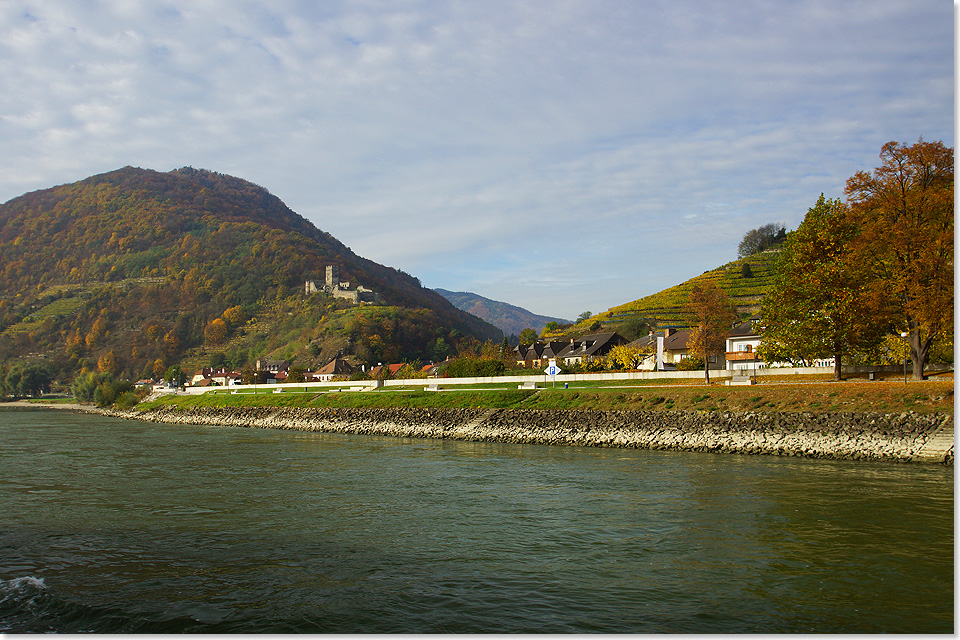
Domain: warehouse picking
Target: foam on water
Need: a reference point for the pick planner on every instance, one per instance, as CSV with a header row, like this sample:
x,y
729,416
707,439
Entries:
x,y
20,599
27,605
26,588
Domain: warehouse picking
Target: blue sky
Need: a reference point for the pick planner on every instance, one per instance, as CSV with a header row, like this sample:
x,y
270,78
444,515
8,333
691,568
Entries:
x,y
560,155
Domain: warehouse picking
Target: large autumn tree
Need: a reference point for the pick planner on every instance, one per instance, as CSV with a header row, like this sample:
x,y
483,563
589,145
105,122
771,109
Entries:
x,y
822,304
713,315
905,211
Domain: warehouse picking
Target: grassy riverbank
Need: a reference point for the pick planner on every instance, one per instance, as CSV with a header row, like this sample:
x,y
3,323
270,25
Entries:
x,y
879,396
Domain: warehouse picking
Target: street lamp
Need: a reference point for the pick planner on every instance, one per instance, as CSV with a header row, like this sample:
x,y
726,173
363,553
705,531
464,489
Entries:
x,y
905,335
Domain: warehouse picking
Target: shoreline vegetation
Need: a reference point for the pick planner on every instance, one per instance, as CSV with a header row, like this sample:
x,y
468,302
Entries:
x,y
808,396
879,420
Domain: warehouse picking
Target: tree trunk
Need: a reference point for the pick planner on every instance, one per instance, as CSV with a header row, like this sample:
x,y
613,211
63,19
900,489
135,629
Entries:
x,y
919,351
706,368
837,365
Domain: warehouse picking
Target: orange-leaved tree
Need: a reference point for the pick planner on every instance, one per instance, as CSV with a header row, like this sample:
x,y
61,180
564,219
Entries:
x,y
713,315
905,212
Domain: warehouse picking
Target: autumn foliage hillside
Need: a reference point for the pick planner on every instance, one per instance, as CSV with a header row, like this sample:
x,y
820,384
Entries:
x,y
137,270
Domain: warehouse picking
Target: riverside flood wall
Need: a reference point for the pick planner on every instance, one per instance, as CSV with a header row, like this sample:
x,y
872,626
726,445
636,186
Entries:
x,y
907,437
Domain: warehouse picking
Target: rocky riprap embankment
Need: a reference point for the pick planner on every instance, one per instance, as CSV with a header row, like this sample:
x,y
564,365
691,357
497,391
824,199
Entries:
x,y
859,436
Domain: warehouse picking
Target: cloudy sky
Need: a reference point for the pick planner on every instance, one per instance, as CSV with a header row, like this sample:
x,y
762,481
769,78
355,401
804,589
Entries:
x,y
562,155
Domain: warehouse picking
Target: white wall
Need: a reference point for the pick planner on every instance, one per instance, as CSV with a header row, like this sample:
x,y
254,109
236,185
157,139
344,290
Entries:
x,y
541,379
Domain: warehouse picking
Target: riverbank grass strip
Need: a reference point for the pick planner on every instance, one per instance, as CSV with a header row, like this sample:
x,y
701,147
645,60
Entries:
x,y
932,396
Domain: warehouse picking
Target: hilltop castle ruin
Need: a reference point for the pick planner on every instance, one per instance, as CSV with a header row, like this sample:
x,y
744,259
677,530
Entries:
x,y
341,289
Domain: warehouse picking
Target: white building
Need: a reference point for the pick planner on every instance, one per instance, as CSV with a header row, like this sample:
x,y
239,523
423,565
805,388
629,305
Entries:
x,y
742,343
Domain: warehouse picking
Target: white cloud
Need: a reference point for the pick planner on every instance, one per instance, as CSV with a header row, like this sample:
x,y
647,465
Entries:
x,y
560,155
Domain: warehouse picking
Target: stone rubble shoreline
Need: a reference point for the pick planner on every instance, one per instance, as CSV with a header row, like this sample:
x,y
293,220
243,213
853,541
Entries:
x,y
905,437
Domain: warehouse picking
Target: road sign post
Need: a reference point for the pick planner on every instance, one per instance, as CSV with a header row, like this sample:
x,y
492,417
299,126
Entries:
x,y
552,370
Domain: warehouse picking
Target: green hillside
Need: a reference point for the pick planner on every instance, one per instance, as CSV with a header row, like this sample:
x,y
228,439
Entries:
x,y
138,270
745,287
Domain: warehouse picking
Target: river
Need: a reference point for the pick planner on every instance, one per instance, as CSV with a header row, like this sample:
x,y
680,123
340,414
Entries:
x,y
116,526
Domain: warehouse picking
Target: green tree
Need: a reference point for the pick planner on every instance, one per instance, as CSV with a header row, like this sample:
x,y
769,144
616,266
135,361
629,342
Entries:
x,y
85,384
102,389
528,336
105,393
761,239
251,376
634,327
713,314
821,305
905,210
175,375
31,380
438,350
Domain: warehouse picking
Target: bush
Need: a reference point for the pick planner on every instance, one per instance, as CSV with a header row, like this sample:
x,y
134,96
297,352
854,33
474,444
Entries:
x,y
409,371
690,364
572,367
86,384
473,368
101,389
127,400
104,394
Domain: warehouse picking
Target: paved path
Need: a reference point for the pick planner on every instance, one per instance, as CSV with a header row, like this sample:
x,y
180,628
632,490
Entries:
x,y
939,446
47,405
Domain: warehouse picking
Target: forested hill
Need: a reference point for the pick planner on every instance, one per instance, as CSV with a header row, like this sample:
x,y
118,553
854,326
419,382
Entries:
x,y
107,264
510,318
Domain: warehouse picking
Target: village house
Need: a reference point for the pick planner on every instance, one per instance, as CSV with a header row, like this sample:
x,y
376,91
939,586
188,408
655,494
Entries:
x,y
648,346
385,370
272,366
538,354
335,368
576,350
276,377
589,347
675,346
743,342
221,377
676,349
430,370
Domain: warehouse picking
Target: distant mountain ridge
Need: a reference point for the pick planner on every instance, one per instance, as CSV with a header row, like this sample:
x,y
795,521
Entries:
x,y
509,318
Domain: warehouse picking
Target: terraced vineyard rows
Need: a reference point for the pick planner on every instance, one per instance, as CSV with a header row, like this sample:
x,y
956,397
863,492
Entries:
x,y
56,309
746,288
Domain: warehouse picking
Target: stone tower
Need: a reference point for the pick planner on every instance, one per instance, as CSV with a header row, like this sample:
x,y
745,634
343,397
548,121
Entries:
x,y
333,276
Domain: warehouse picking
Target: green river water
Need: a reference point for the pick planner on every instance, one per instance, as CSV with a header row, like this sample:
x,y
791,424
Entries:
x,y
116,526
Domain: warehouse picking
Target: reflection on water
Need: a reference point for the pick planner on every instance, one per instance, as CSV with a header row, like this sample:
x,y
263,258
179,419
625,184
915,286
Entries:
x,y
121,526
